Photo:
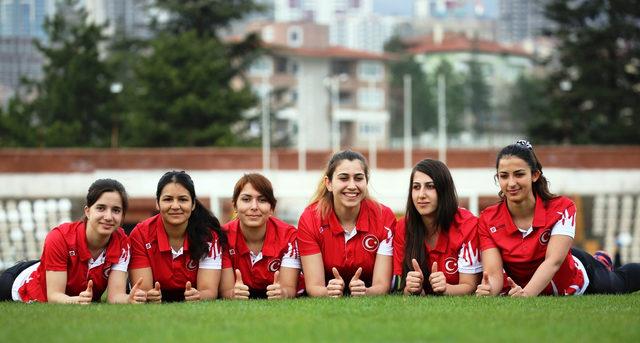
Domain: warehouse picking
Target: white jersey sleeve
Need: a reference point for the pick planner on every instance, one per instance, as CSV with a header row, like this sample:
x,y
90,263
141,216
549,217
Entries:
x,y
386,246
566,225
123,261
212,260
291,259
468,259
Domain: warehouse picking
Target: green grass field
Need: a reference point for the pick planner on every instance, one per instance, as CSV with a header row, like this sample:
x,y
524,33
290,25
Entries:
x,y
382,319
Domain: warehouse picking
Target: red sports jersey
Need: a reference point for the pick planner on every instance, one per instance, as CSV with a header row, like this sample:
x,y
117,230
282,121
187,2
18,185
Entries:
x,y
456,251
373,235
522,253
279,249
66,249
150,248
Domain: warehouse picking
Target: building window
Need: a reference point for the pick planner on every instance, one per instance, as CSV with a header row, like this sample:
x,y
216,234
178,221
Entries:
x,y
294,36
368,129
293,67
281,65
370,71
262,66
340,67
370,98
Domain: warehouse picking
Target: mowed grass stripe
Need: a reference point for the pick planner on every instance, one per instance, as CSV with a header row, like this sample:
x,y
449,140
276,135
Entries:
x,y
381,319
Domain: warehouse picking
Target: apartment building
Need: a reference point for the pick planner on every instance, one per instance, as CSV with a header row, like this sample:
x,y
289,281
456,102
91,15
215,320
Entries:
x,y
326,96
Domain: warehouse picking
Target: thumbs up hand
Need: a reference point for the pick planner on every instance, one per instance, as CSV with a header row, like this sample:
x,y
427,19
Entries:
x,y
154,295
191,293
515,290
357,286
414,279
136,295
85,297
335,287
437,280
240,290
484,288
274,291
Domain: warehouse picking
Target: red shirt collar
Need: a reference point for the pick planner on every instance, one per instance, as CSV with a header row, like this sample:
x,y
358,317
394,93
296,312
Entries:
x,y
362,222
163,237
81,242
112,253
441,243
539,216
268,246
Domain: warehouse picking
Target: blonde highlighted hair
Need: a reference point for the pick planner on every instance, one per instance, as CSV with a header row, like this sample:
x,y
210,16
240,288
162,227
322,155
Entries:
x,y
322,196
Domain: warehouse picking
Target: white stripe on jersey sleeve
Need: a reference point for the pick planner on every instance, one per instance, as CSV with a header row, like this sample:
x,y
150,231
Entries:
x,y
123,262
468,259
212,260
566,225
386,246
291,258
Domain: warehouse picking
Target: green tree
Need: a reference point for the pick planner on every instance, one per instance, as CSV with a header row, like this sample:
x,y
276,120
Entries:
x,y
479,97
71,104
188,88
595,92
530,102
423,116
455,90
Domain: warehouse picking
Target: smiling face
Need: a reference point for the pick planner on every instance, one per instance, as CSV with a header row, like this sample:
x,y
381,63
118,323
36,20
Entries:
x,y
516,179
424,195
175,205
105,215
348,184
253,208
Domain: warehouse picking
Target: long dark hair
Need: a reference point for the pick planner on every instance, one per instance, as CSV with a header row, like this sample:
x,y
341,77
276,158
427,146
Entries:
x,y
107,185
201,221
524,150
322,195
415,233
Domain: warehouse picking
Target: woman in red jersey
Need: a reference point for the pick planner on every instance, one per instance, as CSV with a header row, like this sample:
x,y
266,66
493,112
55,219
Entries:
x,y
345,237
262,259
177,252
80,260
436,243
529,234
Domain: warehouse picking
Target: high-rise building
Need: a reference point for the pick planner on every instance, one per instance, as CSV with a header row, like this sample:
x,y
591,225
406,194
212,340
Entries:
x,y
20,22
520,20
351,23
129,17
24,18
471,17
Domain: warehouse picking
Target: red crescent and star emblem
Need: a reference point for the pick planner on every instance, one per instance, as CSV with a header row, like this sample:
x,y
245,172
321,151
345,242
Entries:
x,y
370,242
451,265
274,265
544,237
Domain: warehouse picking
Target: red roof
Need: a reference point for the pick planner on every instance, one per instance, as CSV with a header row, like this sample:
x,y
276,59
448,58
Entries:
x,y
453,42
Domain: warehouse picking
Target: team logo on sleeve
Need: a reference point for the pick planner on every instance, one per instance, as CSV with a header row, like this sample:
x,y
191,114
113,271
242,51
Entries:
x,y
72,253
451,265
192,265
148,246
370,242
544,237
274,265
